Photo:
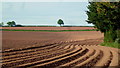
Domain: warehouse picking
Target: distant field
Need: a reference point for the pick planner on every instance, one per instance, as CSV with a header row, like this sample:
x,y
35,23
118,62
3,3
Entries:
x,y
49,28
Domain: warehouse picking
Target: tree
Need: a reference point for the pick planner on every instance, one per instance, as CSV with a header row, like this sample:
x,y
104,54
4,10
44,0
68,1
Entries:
x,y
60,22
11,23
106,18
1,24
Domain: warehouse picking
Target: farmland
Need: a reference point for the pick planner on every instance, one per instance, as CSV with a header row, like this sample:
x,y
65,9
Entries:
x,y
49,28
56,49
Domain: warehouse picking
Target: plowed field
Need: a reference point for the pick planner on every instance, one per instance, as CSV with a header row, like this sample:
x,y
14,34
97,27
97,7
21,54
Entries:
x,y
49,28
57,50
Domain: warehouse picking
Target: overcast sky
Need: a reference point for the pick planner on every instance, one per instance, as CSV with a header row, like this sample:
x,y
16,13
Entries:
x,y
45,13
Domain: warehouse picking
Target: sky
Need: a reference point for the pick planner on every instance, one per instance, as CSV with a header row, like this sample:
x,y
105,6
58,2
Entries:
x,y
45,13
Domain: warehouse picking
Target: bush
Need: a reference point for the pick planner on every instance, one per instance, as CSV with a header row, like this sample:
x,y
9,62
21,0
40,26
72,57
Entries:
x,y
118,36
110,36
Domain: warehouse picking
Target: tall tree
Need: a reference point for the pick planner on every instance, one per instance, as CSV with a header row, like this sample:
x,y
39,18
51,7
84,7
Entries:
x,y
11,23
60,22
106,18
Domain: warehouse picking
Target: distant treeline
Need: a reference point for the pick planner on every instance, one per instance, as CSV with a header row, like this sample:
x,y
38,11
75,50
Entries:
x,y
46,26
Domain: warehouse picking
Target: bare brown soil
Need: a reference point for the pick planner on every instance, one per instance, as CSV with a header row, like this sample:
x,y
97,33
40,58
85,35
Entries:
x,y
57,49
49,28
21,39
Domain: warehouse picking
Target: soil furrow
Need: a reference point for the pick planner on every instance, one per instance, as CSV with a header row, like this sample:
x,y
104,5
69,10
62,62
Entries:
x,y
52,58
106,57
81,59
114,60
22,49
89,60
63,60
33,59
93,61
29,53
29,50
34,54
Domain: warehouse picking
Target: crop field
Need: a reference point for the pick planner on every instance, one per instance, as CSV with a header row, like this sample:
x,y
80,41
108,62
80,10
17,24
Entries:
x,y
49,28
78,49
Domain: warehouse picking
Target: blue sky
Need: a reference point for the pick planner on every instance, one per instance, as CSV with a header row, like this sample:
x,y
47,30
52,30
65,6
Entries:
x,y
45,13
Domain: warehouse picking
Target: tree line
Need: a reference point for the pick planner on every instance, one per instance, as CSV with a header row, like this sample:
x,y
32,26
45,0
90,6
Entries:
x,y
106,18
13,23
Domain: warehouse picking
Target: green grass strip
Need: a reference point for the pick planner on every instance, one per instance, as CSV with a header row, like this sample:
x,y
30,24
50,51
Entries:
x,y
113,44
46,30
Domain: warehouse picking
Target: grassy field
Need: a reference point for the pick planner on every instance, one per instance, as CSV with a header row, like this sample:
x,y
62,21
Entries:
x,y
115,45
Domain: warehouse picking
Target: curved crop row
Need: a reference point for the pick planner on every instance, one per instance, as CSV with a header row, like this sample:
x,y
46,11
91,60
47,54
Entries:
x,y
60,55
